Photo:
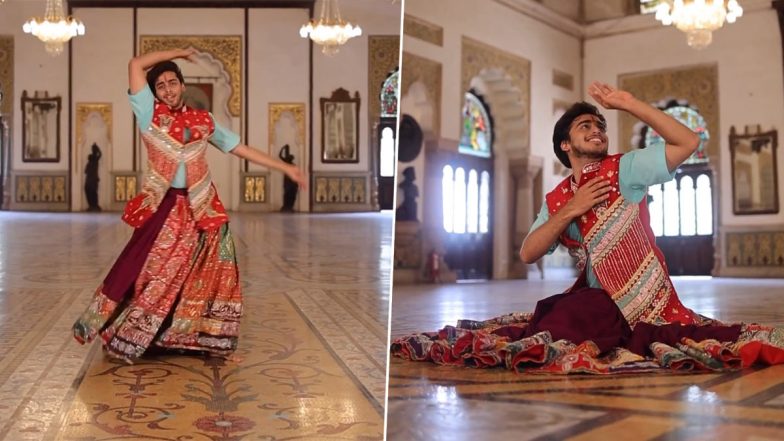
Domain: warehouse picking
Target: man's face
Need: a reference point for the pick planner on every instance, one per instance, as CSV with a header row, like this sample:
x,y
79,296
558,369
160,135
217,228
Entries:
x,y
169,89
587,138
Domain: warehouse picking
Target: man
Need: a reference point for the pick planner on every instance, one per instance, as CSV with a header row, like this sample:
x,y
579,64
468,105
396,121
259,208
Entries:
x,y
176,283
600,212
622,315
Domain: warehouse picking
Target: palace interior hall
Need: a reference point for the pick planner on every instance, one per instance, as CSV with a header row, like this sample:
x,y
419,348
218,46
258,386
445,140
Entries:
x,y
314,263
483,83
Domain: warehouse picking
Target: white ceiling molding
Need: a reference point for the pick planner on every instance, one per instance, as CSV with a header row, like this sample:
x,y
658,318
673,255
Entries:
x,y
541,13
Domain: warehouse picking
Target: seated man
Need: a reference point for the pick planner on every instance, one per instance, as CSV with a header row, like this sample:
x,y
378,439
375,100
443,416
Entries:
x,y
622,314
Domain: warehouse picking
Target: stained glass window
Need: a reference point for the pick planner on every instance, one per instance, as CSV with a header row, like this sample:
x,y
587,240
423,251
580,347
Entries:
x,y
691,119
389,95
477,131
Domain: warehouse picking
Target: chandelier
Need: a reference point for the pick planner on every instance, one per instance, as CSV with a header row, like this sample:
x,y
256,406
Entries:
x,y
330,31
55,29
698,18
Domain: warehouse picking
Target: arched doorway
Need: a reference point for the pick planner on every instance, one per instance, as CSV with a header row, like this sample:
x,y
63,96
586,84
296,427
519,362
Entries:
x,y
682,211
387,136
467,194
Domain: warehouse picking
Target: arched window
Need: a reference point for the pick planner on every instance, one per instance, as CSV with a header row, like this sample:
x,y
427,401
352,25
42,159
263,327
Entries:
x,y
389,95
682,207
476,136
386,137
467,193
692,119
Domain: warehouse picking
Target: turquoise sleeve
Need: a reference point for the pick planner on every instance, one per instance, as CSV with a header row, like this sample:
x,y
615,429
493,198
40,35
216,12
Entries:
x,y
223,138
639,169
143,105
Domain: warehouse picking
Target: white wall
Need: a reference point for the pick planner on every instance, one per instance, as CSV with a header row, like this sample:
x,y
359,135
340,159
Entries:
x,y
278,63
34,69
751,83
106,39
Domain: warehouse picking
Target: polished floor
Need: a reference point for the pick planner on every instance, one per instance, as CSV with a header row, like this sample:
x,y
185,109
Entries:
x,y
312,346
429,402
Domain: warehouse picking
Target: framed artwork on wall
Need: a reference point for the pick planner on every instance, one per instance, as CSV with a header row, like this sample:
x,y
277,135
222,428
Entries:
x,y
40,127
754,173
340,127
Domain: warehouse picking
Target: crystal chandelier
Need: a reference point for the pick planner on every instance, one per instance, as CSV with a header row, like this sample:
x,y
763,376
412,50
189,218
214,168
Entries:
x,y
330,31
698,18
55,29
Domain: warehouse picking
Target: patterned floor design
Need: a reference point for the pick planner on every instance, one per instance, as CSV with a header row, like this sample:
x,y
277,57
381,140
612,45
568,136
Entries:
x,y
428,402
313,342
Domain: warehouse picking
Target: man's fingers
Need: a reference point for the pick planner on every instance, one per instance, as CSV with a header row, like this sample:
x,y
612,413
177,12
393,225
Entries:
x,y
598,183
595,180
600,198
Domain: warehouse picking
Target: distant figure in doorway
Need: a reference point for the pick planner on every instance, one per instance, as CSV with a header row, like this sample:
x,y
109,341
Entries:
x,y
289,186
91,179
407,211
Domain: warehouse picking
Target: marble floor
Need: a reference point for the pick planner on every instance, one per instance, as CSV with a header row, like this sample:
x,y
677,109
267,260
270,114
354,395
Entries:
x,y
313,343
429,402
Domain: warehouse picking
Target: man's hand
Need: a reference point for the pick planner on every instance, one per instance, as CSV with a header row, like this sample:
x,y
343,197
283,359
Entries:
x,y
609,97
680,142
297,175
593,192
138,66
187,54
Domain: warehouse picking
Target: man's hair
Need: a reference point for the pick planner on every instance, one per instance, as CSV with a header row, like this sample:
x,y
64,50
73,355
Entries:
x,y
561,130
160,68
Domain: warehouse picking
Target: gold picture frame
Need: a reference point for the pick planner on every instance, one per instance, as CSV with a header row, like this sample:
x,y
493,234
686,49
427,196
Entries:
x,y
40,127
754,171
340,128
